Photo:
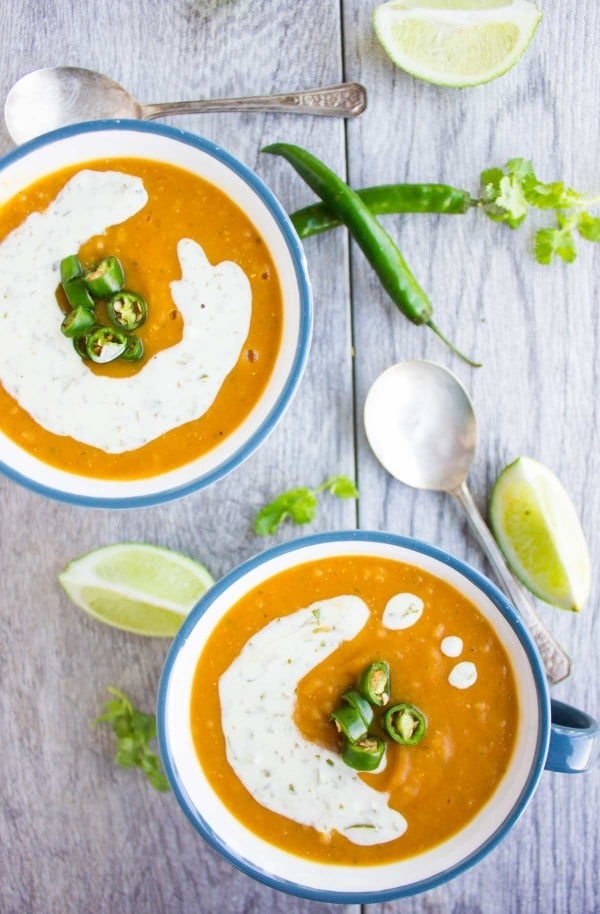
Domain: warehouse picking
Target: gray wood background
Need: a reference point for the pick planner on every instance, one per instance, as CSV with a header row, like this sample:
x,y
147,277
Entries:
x,y
77,834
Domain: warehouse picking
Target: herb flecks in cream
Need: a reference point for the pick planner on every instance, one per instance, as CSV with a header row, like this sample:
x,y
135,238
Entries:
x,y
61,394
280,768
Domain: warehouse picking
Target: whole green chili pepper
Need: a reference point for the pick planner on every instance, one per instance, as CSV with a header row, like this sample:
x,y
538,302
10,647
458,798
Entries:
x,y
405,724
380,250
364,755
385,199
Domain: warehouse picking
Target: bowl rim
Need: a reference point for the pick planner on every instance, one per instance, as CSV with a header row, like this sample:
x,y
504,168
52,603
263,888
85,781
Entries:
x,y
305,308
353,536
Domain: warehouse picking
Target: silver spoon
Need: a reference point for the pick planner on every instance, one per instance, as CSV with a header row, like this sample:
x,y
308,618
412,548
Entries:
x,y
421,425
46,99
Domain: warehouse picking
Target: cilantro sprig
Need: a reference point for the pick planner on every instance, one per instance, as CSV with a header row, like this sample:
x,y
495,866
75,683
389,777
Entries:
x,y
300,505
509,193
133,730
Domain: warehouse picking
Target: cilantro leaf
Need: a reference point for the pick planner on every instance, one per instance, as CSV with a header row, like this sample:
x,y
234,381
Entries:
x,y
490,184
300,505
545,244
505,200
589,227
565,247
551,196
537,193
559,241
341,487
507,195
512,201
521,169
133,730
159,781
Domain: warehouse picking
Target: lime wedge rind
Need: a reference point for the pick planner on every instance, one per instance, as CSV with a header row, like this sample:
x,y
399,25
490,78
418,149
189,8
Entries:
x,y
456,43
539,533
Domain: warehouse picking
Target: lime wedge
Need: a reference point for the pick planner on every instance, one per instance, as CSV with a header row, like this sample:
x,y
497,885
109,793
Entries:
x,y
537,528
456,43
137,587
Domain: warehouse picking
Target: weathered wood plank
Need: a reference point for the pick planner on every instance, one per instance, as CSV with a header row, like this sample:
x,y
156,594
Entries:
x,y
78,834
536,331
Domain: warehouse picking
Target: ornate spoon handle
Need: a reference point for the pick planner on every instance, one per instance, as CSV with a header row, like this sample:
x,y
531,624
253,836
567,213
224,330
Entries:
x,y
556,662
344,100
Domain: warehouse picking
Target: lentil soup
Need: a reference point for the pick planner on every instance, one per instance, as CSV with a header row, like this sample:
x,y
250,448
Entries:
x,y
444,658
180,205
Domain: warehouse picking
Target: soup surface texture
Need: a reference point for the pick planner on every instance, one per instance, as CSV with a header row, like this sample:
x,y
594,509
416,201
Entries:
x,y
210,340
274,669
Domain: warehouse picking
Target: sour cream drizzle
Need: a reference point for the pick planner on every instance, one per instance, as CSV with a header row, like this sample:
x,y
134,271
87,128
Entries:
x,y
280,768
463,675
402,611
452,646
38,365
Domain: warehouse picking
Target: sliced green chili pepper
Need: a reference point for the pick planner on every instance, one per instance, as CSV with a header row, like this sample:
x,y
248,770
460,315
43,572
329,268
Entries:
x,y
77,321
380,250
105,344
80,346
134,350
106,278
70,268
350,722
374,683
80,342
77,294
385,199
127,311
360,704
365,754
405,724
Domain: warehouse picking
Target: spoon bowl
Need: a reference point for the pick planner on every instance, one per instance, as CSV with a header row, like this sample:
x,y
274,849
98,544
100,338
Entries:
x,y
58,96
54,97
405,409
421,425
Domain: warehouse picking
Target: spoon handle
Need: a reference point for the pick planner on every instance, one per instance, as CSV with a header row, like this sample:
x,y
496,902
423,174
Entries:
x,y
343,100
556,663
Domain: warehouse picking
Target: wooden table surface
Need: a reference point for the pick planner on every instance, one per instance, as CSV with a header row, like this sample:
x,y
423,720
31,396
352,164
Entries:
x,y
79,835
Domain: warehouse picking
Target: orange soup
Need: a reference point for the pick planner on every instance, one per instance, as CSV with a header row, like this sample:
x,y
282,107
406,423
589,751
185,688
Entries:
x,y
276,666
222,245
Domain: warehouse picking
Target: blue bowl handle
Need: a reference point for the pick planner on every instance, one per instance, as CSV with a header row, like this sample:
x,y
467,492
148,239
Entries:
x,y
574,740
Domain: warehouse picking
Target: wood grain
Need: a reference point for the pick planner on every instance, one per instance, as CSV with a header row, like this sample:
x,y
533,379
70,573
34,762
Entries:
x,y
535,330
79,835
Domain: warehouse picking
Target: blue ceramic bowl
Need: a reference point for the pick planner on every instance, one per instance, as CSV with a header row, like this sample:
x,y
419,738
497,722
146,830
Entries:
x,y
108,139
569,744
